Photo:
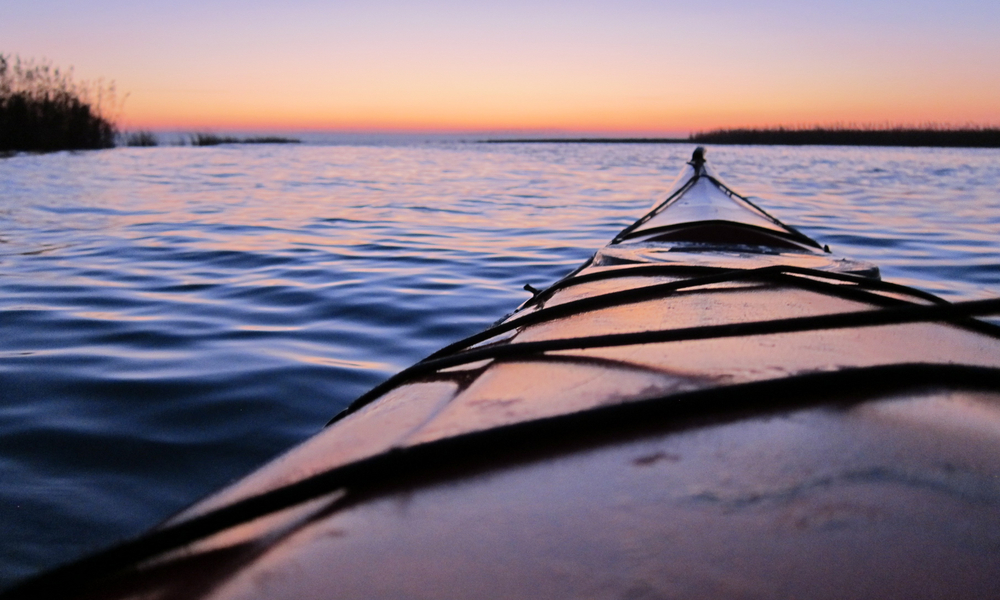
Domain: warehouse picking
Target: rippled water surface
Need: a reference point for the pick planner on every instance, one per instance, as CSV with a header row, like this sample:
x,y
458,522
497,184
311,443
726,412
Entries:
x,y
172,317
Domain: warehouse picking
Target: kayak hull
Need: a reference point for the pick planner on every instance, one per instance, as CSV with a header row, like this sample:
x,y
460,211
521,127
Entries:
x,y
888,495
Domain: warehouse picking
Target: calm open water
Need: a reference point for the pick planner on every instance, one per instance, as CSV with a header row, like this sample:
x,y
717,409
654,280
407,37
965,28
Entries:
x,y
172,317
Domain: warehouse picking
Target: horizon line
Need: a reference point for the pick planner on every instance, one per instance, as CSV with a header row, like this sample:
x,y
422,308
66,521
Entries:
x,y
554,133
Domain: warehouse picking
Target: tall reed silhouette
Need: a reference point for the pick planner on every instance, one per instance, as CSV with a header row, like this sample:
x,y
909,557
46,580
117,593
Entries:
x,y
43,109
210,139
140,138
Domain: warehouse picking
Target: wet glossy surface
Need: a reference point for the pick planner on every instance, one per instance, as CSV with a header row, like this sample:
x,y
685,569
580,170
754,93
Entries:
x,y
495,394
174,316
897,497
705,201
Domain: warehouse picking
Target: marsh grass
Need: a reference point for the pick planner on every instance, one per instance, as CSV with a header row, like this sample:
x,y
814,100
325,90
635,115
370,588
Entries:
x,y
930,135
42,109
208,139
141,138
270,139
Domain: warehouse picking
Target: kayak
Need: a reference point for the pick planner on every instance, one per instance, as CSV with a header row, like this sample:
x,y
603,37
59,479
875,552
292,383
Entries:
x,y
714,405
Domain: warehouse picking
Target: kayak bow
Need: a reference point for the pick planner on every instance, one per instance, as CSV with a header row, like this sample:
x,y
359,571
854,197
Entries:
x,y
714,405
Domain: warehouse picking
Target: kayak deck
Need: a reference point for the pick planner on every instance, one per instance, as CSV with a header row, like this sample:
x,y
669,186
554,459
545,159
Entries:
x,y
749,416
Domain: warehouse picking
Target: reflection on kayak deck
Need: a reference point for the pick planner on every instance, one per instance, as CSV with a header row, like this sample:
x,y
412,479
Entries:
x,y
897,497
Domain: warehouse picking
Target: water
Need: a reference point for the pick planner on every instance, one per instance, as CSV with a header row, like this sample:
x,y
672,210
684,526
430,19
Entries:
x,y
172,317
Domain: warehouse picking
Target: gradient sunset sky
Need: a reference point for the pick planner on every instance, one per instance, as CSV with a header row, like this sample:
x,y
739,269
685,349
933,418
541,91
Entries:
x,y
629,67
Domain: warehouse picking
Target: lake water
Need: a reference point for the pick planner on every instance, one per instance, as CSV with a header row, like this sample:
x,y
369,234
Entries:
x,y
172,317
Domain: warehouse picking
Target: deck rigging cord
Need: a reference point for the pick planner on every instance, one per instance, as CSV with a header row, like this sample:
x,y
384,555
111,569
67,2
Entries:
x,y
454,355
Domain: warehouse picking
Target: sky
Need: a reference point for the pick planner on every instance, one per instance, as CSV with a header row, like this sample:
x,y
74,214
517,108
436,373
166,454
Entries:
x,y
635,67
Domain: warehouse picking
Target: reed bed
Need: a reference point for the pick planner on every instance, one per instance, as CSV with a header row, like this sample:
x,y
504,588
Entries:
x,y
935,136
140,138
208,139
43,109
931,135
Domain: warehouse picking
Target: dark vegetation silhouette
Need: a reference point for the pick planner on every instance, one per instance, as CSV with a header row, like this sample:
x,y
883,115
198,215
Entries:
x,y
208,139
931,135
42,109
270,139
141,138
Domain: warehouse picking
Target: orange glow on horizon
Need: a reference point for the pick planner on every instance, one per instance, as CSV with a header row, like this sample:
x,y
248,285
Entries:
x,y
441,66
648,122
631,105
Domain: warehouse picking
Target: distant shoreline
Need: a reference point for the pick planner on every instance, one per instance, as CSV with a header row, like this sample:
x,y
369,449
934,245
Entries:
x,y
588,141
900,137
